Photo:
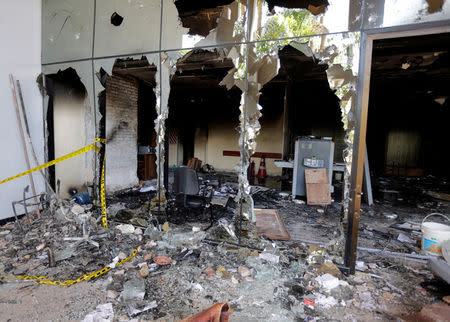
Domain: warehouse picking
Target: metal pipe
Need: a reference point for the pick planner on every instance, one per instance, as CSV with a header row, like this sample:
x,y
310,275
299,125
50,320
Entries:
x,y
27,128
24,145
359,147
25,204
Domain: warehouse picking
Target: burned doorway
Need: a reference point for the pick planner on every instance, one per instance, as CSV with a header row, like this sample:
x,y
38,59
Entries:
x,y
301,93
406,101
203,114
66,131
408,115
130,115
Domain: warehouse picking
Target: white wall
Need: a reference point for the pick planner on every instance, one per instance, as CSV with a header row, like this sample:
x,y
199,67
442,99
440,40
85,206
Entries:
x,y
70,135
20,32
209,145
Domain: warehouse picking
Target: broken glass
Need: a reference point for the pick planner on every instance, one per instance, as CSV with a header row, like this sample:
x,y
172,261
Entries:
x,y
339,54
84,71
82,125
277,22
103,68
139,31
207,26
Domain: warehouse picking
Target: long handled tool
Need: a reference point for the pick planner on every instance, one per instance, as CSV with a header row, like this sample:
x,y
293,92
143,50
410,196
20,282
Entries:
x,y
27,128
25,152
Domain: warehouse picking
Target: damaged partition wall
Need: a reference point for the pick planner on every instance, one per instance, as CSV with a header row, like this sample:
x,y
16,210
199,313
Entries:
x,y
184,75
69,116
244,74
130,115
203,114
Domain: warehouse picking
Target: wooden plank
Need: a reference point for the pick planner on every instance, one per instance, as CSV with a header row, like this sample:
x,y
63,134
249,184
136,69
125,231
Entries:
x,y
270,224
317,187
24,144
150,166
267,155
316,176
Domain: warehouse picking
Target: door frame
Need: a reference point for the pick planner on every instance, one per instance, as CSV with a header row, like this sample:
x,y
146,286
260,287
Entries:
x,y
362,106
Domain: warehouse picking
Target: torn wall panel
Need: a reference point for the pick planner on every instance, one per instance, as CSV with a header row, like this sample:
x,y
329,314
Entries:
x,y
139,31
339,56
67,29
280,19
226,27
174,32
121,132
74,125
250,67
341,53
119,78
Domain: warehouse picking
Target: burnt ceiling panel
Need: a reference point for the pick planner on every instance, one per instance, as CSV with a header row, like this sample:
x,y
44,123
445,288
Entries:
x,y
419,65
185,6
412,56
200,16
300,4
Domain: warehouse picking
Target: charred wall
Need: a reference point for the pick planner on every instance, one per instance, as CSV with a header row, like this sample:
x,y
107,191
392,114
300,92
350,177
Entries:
x,y
121,132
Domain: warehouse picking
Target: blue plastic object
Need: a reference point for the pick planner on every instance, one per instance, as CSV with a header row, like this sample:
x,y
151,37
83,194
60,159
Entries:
x,y
82,198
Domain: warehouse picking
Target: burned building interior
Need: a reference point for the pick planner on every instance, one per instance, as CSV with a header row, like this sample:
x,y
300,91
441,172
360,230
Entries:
x,y
229,160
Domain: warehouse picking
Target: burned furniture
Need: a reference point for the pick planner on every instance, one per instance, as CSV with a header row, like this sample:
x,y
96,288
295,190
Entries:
x,y
187,189
43,202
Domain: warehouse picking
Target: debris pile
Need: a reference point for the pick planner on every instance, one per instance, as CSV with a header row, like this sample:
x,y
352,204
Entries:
x,y
182,268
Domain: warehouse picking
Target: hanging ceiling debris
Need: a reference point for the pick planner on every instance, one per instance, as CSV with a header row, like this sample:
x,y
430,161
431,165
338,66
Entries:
x,y
200,16
421,64
316,7
435,5
138,68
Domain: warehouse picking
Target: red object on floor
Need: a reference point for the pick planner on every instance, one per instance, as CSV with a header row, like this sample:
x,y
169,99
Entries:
x,y
161,260
262,168
219,312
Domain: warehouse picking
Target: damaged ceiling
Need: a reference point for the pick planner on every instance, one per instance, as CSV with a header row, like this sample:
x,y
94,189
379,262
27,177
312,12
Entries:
x,y
138,68
201,68
203,16
314,6
420,64
200,16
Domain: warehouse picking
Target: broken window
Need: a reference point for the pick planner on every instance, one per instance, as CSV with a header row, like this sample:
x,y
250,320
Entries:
x,y
141,20
200,107
130,115
116,19
287,19
66,131
189,23
200,17
401,139
289,66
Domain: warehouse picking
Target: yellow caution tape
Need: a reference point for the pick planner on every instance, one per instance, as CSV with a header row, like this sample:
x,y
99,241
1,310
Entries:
x,y
102,195
85,277
87,148
63,158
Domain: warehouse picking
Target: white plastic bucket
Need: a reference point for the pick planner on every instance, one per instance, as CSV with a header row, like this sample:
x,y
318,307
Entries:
x,y
433,235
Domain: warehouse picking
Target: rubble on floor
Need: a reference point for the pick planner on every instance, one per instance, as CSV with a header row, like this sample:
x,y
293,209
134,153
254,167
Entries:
x,y
182,269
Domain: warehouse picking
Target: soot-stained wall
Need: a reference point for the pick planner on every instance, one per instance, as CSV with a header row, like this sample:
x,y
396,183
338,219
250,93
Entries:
x,y
121,132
